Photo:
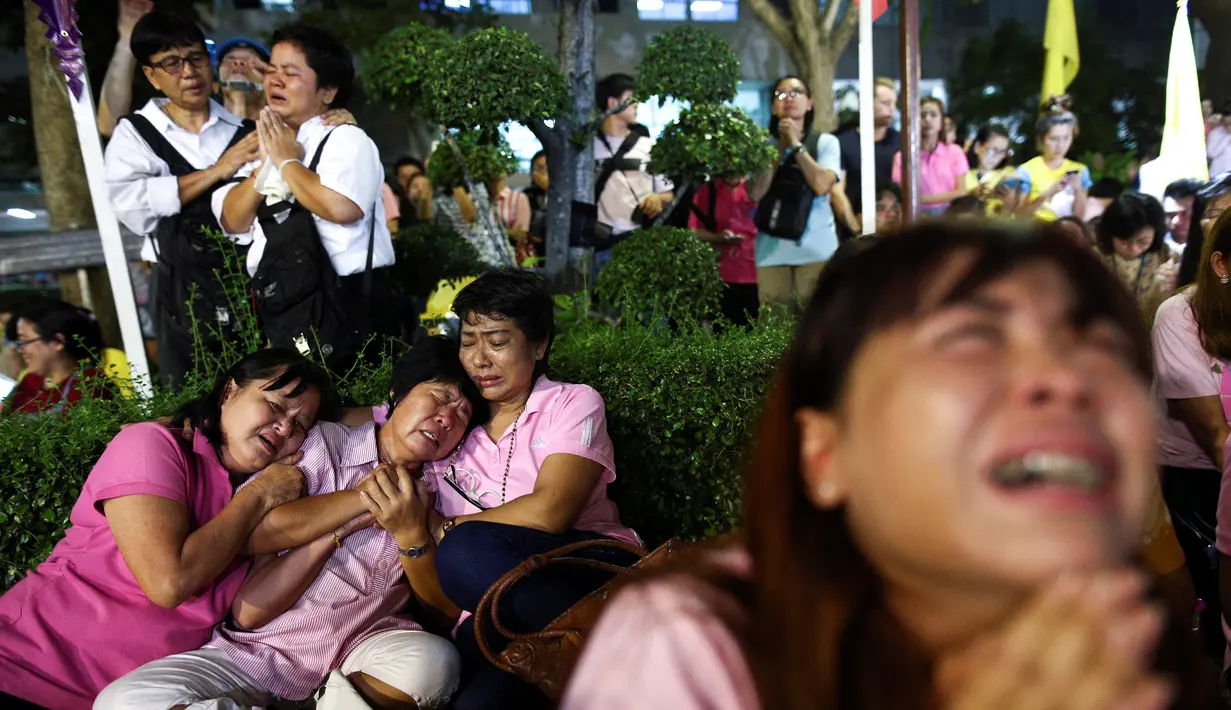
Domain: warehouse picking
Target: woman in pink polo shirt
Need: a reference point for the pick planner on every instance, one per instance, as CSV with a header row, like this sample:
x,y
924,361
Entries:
x,y
152,559
951,480
942,166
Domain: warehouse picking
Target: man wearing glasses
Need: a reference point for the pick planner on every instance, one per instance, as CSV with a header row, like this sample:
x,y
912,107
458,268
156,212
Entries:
x,y
163,163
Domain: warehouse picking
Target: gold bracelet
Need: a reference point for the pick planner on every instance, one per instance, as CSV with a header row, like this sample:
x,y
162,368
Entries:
x,y
337,541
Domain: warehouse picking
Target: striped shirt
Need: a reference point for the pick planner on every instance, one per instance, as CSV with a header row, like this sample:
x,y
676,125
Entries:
x,y
355,597
513,209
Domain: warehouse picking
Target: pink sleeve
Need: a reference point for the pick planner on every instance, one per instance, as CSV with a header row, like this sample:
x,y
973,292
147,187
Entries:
x,y
657,647
380,414
700,199
896,173
579,427
1181,365
521,220
1223,536
316,464
391,202
145,459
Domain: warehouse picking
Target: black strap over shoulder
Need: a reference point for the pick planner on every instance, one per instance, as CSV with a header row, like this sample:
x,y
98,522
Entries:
x,y
709,217
609,165
166,152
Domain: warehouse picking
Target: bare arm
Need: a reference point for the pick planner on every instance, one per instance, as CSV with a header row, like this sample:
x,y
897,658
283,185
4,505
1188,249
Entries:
x,y
301,521
193,185
564,485
1206,422
759,185
239,207
1079,205
843,208
276,583
117,93
819,179
170,561
318,199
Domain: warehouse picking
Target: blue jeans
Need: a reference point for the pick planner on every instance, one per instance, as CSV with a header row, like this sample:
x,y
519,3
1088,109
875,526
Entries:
x,y
470,560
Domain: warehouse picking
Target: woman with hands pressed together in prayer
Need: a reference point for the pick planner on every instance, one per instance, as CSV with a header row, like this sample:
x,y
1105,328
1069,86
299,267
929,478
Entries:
x,y
154,555
943,510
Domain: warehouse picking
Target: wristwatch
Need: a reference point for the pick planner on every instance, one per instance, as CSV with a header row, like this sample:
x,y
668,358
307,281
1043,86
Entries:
x,y
415,553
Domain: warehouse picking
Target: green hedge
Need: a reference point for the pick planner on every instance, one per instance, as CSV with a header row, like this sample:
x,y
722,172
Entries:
x,y
681,409
681,406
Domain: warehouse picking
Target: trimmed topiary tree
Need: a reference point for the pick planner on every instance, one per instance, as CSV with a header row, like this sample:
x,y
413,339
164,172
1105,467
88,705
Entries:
x,y
712,141
395,69
494,76
689,64
662,272
428,254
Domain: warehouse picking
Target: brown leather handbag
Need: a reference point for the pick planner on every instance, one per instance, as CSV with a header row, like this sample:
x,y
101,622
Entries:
x,y
546,658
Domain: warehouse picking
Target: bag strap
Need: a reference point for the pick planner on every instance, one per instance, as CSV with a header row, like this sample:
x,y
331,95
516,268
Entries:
x,y
609,166
320,150
709,219
157,142
367,269
561,555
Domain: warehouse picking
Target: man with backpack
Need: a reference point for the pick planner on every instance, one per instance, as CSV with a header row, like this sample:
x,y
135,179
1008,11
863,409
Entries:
x,y
312,207
628,197
162,165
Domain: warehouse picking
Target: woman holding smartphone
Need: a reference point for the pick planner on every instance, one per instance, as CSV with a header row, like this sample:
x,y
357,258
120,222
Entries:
x,y
994,179
1054,186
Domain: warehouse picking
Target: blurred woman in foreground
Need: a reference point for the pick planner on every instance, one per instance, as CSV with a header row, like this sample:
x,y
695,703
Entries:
x,y
953,474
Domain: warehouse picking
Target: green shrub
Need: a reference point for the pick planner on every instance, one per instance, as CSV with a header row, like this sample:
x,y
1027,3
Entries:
x,y
681,410
664,271
492,76
394,70
711,141
690,64
428,254
486,161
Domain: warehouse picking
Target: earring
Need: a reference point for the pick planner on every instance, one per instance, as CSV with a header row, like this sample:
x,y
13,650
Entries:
x,y
826,492
1224,279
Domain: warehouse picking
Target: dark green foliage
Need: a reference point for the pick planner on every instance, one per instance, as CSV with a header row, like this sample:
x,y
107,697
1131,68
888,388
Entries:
x,y
662,272
427,254
493,76
689,64
681,409
393,72
486,161
711,140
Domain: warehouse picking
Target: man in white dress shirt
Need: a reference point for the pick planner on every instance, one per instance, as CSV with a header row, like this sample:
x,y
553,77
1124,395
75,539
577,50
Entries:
x,y
162,164
335,175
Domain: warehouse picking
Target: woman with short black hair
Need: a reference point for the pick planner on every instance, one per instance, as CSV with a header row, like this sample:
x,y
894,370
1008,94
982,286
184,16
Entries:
x,y
1130,237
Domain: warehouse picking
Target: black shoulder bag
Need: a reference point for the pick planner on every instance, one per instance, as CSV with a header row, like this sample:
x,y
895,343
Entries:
x,y
784,211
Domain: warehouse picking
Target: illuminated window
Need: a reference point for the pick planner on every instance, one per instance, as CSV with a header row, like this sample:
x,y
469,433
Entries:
x,y
499,7
696,10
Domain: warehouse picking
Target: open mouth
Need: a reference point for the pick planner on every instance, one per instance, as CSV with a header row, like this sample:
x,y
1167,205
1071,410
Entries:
x,y
486,382
277,99
269,446
1060,477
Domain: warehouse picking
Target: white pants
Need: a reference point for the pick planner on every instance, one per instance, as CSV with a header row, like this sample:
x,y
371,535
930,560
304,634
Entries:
x,y
424,666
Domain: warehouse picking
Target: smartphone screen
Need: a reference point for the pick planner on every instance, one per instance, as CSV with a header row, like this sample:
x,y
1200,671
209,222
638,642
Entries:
x,y
6,386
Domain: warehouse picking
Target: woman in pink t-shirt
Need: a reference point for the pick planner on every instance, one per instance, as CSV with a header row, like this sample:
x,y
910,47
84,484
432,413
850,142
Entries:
x,y
1192,353
942,166
722,215
951,479
151,560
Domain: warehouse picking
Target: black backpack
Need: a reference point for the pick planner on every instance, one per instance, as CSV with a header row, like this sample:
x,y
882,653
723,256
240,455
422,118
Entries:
x,y
188,260
785,209
295,286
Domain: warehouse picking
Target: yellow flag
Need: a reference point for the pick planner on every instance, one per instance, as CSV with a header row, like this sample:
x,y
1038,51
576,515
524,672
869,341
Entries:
x,y
1183,149
1062,59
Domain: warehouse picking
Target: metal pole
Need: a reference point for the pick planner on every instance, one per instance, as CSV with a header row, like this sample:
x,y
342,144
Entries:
x,y
867,125
909,27
113,241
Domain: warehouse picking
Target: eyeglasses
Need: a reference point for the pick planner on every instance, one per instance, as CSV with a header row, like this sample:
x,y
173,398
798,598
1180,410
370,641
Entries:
x,y
792,94
19,344
466,485
174,64
539,169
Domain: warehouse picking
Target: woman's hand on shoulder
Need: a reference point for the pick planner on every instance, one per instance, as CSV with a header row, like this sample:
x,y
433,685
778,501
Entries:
x,y
281,482
1084,642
